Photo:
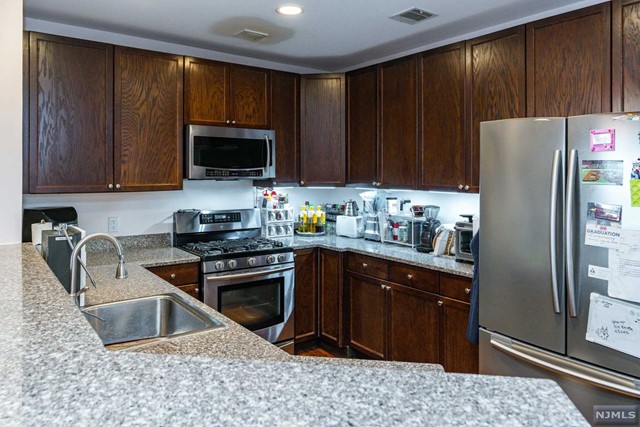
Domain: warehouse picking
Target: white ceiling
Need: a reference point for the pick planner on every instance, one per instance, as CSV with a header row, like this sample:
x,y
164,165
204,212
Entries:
x,y
330,35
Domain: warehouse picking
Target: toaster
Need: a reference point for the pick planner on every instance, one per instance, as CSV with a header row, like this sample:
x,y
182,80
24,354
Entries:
x,y
350,226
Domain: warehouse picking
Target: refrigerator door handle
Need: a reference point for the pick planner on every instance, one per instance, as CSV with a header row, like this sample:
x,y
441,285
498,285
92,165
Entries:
x,y
580,371
571,179
553,220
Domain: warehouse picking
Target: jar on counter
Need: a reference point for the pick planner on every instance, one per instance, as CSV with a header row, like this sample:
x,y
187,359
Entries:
x,y
403,233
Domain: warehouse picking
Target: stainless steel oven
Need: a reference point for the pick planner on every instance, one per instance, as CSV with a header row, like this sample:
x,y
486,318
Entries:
x,y
259,299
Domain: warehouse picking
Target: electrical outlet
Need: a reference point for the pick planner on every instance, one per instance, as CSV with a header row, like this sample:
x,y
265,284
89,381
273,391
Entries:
x,y
114,224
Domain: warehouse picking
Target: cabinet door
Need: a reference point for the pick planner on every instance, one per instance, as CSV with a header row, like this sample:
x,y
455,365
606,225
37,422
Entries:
x,y
285,118
71,122
306,295
362,132
249,96
367,315
322,129
398,123
331,291
496,81
147,120
569,63
206,99
625,54
456,353
414,325
442,100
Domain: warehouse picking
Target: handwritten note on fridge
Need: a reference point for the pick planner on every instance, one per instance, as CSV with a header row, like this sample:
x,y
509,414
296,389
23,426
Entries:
x,y
614,324
624,267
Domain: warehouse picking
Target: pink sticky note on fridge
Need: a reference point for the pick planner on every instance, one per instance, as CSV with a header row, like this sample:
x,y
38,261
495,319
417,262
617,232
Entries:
x,y
603,140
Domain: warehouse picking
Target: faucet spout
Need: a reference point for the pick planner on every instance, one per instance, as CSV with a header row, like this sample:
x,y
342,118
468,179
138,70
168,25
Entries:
x,y
121,270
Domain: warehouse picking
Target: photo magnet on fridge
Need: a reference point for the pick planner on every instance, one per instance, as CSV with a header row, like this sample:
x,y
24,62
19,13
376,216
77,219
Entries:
x,y
603,140
602,172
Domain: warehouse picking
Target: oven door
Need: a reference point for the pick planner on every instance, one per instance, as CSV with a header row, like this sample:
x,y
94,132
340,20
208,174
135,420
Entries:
x,y
259,299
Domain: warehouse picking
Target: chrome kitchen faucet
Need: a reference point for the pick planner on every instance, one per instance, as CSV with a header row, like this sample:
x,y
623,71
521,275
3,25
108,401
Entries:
x,y
121,270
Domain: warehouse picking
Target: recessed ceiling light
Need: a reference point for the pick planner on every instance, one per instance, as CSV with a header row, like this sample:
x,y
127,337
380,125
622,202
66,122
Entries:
x,y
289,9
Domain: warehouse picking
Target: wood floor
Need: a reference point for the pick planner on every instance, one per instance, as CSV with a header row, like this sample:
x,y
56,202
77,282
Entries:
x,y
317,352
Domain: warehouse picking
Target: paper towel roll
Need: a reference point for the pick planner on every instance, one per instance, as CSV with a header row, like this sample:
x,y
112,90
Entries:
x,y
37,229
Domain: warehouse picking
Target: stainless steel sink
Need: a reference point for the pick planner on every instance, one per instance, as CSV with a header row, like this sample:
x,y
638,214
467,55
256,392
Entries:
x,y
147,319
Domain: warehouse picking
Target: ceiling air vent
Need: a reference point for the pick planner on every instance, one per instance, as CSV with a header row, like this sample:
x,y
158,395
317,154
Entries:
x,y
251,35
413,15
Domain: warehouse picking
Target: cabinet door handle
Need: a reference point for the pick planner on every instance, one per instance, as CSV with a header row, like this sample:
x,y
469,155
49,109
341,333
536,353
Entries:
x,y
228,121
110,186
173,275
365,265
466,187
382,287
467,290
374,183
388,288
233,122
460,187
440,303
301,182
409,276
117,186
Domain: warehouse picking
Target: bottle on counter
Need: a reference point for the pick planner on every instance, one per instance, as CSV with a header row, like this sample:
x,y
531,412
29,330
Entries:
x,y
303,220
311,220
320,225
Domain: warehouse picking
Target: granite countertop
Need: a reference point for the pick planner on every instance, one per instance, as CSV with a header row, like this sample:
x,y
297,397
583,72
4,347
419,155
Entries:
x,y
388,251
56,372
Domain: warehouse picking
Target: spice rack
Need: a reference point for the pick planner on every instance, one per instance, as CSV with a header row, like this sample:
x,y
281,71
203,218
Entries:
x,y
277,223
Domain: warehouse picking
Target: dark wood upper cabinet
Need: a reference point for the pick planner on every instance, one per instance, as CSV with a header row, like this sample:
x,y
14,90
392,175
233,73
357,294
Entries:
x,y
322,129
414,327
331,297
147,120
221,94
362,120
306,295
70,117
398,123
625,54
442,102
368,315
495,68
569,63
285,119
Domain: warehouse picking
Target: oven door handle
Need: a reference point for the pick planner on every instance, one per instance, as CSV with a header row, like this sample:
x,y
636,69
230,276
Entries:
x,y
244,275
266,140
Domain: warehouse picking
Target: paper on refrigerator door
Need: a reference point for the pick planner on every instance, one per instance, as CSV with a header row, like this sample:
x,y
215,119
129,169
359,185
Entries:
x,y
624,267
614,324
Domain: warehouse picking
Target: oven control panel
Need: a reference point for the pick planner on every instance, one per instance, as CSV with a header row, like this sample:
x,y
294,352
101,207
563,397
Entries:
x,y
217,218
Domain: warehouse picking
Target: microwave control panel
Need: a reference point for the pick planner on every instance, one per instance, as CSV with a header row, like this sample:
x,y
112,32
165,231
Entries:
x,y
215,173
217,218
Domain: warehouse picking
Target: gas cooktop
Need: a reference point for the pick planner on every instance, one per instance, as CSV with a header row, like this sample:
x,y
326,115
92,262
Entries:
x,y
244,246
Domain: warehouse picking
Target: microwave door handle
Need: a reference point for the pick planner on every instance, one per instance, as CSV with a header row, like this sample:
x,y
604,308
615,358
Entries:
x,y
245,275
266,141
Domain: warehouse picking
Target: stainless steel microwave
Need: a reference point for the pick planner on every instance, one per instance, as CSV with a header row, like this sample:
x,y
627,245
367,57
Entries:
x,y
213,152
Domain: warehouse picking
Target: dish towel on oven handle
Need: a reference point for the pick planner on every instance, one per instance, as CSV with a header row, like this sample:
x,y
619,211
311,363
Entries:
x,y
472,323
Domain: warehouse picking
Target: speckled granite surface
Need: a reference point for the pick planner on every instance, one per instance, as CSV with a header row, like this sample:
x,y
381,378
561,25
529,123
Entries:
x,y
387,251
63,375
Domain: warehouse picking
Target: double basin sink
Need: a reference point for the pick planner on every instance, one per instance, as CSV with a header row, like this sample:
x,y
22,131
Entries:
x,y
133,322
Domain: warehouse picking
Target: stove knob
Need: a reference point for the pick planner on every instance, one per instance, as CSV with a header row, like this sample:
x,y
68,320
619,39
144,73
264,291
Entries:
x,y
219,265
232,263
282,258
271,259
251,261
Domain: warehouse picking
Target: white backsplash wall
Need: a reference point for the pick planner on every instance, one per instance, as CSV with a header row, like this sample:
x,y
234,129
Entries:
x,y
148,212
451,204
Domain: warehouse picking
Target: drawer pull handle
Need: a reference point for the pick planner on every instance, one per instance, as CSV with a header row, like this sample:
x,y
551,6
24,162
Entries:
x,y
467,290
365,265
173,275
409,276
440,303
382,287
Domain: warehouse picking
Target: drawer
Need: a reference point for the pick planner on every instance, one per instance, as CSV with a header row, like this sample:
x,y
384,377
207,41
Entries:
x,y
370,266
179,274
456,287
191,289
415,277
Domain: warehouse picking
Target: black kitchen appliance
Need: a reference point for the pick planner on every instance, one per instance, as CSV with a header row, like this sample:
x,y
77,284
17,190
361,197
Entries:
x,y
246,277
56,215
428,228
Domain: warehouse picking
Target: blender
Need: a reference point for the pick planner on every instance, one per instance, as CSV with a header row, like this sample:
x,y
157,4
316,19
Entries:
x,y
428,228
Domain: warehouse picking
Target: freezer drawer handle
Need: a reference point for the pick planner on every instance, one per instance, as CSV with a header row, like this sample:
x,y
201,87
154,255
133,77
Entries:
x,y
568,228
553,220
613,382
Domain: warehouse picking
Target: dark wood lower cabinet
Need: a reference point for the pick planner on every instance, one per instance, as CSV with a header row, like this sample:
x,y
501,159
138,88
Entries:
x,y
367,315
456,353
182,276
331,297
414,325
306,295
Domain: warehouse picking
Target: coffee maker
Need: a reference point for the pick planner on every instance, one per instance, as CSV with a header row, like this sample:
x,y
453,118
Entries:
x,y
428,228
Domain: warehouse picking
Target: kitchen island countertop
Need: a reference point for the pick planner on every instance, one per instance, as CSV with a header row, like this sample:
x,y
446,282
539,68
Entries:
x,y
56,371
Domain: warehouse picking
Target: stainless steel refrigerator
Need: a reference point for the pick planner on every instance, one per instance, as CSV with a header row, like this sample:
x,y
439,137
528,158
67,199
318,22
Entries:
x,y
543,183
